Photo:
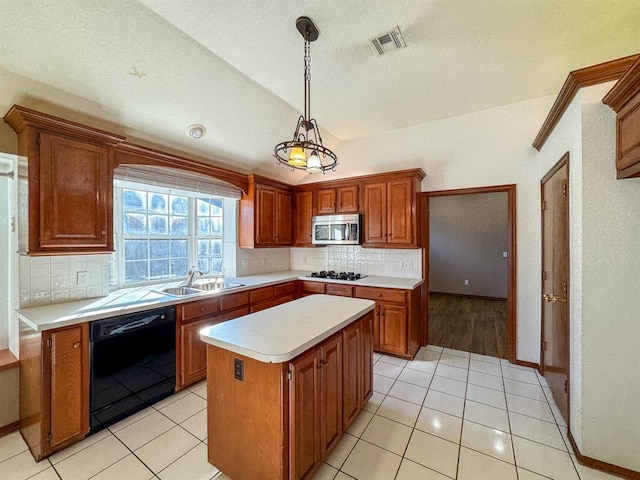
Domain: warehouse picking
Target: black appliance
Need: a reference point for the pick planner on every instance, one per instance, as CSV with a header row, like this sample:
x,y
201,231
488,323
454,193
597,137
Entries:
x,y
133,364
332,275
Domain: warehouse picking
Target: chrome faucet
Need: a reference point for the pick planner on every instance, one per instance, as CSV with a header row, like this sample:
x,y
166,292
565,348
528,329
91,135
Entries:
x,y
191,276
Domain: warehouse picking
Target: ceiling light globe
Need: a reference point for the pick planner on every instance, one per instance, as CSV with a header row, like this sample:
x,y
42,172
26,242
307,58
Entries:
x,y
297,157
314,165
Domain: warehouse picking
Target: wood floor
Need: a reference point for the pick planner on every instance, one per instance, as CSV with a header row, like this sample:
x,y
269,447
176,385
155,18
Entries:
x,y
468,323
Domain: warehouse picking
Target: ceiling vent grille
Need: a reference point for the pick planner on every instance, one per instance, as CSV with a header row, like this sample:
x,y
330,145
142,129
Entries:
x,y
388,42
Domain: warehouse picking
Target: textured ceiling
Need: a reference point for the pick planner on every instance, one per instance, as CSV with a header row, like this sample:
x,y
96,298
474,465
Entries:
x,y
236,66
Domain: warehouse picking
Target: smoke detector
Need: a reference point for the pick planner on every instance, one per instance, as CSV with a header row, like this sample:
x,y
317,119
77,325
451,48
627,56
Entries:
x,y
388,42
196,131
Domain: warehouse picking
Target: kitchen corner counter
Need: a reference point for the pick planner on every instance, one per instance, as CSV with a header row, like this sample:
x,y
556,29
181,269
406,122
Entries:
x,y
133,300
294,327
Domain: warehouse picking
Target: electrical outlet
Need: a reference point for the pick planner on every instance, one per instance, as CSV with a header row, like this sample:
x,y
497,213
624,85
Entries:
x,y
238,369
81,278
263,260
406,265
246,262
504,254
466,282
304,259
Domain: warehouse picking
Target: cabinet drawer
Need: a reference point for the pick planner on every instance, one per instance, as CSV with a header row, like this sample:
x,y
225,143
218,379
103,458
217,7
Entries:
x,y
383,294
260,294
199,309
342,290
261,306
234,300
284,299
312,287
285,289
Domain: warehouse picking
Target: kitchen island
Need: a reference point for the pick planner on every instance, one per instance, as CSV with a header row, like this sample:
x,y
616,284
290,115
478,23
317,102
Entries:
x,y
284,384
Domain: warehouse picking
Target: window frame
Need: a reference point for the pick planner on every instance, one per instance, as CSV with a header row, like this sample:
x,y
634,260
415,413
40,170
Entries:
x,y
117,272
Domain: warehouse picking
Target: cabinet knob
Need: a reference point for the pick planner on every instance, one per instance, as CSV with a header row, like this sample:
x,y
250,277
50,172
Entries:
x,y
76,345
104,232
202,309
379,294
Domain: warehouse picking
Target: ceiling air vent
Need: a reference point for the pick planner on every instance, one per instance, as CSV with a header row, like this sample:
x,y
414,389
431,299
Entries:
x,y
388,42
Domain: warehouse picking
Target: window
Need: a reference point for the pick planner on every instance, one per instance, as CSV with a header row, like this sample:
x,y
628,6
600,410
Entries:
x,y
161,233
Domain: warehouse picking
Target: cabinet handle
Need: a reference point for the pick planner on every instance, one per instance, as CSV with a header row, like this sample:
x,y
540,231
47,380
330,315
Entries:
x,y
76,345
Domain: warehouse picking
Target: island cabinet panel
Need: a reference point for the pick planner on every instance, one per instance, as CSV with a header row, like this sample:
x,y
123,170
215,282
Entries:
x,y
304,415
54,388
280,421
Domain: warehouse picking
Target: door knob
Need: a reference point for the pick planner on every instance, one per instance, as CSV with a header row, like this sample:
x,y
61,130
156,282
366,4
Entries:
x,y
553,298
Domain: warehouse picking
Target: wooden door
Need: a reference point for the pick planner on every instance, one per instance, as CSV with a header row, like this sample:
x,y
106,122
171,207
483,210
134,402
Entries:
x,y
347,199
375,219
366,355
303,215
266,216
304,431
283,217
393,328
555,283
352,370
69,365
193,359
330,393
75,197
399,212
326,199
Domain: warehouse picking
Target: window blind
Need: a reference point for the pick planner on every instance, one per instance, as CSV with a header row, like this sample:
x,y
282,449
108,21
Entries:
x,y
176,179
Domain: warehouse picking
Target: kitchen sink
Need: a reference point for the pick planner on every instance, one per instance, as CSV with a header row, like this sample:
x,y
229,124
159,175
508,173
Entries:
x,y
181,291
214,286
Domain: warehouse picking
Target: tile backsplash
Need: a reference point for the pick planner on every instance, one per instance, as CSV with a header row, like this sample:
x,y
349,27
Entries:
x,y
253,261
405,263
47,280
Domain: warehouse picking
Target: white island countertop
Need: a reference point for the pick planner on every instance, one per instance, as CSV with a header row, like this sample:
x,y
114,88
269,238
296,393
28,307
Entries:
x,y
283,332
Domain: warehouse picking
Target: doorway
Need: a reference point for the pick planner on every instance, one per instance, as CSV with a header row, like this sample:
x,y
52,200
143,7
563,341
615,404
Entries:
x,y
8,275
470,286
554,350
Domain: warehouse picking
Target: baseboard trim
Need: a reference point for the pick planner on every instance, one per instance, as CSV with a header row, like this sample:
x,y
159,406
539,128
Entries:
x,y
481,297
7,429
600,465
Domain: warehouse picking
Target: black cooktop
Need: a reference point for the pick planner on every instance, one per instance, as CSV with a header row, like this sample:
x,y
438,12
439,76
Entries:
x,y
333,275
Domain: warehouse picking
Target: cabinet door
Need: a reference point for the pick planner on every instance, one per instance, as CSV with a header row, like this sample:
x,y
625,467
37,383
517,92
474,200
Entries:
x,y
400,202
326,199
75,197
393,328
303,215
283,217
69,364
366,355
347,199
375,218
330,393
304,431
351,381
265,216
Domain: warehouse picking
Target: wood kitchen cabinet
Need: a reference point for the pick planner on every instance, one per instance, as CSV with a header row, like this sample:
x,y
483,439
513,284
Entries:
x,y
54,387
303,208
265,217
624,98
70,184
397,322
390,214
337,200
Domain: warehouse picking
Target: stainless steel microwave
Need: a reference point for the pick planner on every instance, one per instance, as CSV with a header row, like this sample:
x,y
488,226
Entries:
x,y
337,229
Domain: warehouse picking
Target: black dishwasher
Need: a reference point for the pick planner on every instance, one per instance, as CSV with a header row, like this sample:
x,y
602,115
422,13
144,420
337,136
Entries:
x,y
133,364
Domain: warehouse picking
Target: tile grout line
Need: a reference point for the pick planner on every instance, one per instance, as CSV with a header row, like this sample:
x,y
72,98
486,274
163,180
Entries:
x,y
513,447
464,407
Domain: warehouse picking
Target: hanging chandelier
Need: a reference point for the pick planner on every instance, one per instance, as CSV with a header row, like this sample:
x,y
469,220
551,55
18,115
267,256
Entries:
x,y
306,151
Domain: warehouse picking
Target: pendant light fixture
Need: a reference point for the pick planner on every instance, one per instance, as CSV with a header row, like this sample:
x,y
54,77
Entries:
x,y
306,151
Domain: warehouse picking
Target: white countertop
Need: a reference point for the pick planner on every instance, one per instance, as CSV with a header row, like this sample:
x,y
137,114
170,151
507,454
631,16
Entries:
x,y
294,327
132,300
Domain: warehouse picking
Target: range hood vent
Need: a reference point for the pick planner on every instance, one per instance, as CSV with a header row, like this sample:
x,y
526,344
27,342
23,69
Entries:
x,y
388,42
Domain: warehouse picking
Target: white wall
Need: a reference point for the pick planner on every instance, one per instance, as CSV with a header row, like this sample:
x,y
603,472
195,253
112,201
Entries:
x,y
604,272
490,147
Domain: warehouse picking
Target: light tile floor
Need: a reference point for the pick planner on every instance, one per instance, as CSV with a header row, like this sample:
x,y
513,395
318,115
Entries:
x,y
446,415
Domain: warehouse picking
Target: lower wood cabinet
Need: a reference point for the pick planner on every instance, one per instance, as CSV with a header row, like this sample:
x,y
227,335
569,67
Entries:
x,y
296,411
54,387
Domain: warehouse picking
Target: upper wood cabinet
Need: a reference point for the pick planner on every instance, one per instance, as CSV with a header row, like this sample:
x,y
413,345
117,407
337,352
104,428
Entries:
x,y
303,208
337,200
70,184
390,213
624,98
265,214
